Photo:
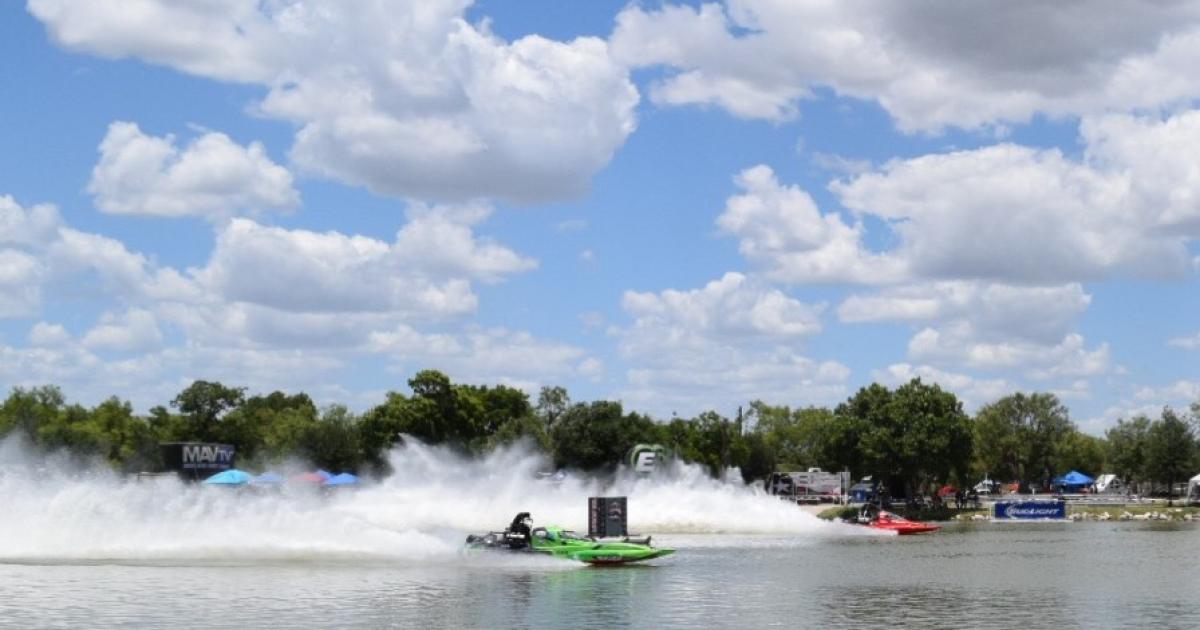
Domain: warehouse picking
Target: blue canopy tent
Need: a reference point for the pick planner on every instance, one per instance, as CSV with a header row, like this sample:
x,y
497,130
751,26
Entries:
x,y
861,492
268,479
1074,480
343,479
231,477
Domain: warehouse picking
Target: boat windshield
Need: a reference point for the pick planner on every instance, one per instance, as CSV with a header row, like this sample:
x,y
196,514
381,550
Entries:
x,y
570,535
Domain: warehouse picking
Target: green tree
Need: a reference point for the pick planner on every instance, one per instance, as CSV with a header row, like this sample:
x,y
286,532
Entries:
x,y
863,434
205,403
1022,434
915,436
380,429
71,429
528,428
552,402
759,460
438,412
716,442
1082,452
795,436
935,439
110,431
501,405
999,444
29,409
333,442
681,437
1127,448
122,438
267,429
597,435
839,444
167,426
1170,450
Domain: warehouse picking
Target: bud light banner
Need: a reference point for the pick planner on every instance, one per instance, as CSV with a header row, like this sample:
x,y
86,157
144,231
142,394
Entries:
x,y
197,459
1030,510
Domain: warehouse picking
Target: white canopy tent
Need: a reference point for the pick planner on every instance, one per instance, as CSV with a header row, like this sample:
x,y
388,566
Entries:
x,y
1194,489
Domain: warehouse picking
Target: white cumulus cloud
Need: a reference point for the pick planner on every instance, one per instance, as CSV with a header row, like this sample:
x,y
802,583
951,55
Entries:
x,y
1014,213
929,64
996,311
486,355
20,283
136,330
212,177
407,98
427,270
48,335
781,228
973,391
731,307
270,308
1191,342
959,344
729,342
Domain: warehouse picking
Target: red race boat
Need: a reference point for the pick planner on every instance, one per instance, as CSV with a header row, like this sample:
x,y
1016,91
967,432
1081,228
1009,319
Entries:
x,y
900,525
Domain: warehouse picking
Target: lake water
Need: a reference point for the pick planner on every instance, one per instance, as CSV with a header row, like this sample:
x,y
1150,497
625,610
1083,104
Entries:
x,y
1067,575
85,548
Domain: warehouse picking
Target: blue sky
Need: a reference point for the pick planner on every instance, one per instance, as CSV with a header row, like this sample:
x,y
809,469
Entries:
x,y
682,206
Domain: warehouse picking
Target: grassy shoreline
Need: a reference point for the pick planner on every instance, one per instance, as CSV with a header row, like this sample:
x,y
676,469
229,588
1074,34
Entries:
x,y
1154,511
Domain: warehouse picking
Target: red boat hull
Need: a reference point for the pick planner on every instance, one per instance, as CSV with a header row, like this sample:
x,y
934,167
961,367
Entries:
x,y
901,526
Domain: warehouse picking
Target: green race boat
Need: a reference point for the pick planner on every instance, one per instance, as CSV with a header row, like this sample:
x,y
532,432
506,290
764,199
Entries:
x,y
566,544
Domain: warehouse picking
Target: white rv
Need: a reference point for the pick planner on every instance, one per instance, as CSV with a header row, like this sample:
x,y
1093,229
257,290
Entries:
x,y
1109,484
811,486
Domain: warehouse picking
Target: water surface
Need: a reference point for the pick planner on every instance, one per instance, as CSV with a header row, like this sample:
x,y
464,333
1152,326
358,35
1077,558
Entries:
x,y
1065,575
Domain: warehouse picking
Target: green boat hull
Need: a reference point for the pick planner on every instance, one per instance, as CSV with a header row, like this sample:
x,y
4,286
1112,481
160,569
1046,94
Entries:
x,y
555,541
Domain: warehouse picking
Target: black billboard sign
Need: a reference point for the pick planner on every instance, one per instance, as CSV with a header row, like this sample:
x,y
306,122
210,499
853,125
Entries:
x,y
608,517
197,459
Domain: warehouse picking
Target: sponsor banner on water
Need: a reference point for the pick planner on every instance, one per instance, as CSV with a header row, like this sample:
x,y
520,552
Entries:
x,y
1031,510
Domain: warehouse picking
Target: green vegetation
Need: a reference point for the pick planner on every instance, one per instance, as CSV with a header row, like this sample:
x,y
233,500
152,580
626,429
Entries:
x,y
913,438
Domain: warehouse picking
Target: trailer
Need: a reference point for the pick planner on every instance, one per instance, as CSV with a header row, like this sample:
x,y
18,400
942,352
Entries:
x,y
811,486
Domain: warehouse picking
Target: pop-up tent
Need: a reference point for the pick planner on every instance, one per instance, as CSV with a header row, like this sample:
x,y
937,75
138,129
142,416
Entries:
x,y
231,477
267,479
861,492
343,479
1073,480
311,477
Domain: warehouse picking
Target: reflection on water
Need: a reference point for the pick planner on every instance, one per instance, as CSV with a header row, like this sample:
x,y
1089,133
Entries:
x,y
948,607
1084,575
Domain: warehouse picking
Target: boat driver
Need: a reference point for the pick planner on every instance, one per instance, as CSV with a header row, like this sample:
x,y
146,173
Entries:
x,y
519,530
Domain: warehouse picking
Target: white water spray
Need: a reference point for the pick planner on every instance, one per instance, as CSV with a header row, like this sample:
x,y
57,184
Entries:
x,y
419,513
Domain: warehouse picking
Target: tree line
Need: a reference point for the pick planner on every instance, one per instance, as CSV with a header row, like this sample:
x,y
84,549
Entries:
x,y
913,438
